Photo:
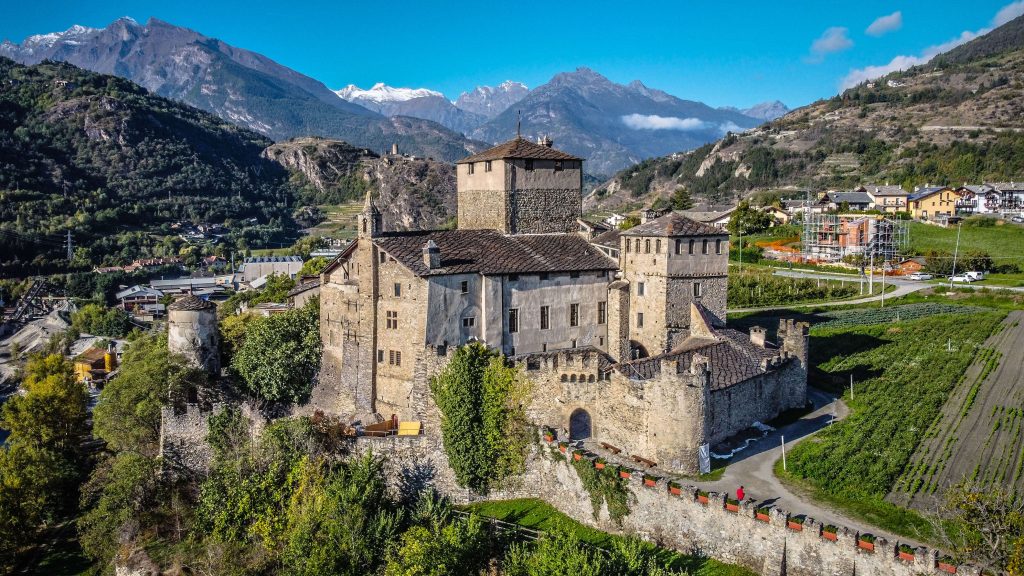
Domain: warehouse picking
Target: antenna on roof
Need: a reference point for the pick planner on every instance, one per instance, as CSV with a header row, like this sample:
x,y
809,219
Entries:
x,y
519,122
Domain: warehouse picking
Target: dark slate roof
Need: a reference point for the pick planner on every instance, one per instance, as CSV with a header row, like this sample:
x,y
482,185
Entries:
x,y
882,190
191,302
850,197
302,287
519,148
734,358
609,238
1006,186
673,224
491,252
925,192
271,259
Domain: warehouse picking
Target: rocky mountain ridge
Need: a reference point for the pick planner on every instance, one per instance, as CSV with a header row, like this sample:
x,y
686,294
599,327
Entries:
x,y
958,118
414,102
238,85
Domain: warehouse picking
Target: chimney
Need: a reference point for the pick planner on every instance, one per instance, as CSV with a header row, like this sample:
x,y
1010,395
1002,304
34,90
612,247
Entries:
x,y
757,335
546,141
431,255
394,149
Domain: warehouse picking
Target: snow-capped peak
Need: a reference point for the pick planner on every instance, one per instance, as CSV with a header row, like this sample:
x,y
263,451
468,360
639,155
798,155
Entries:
x,y
47,40
383,93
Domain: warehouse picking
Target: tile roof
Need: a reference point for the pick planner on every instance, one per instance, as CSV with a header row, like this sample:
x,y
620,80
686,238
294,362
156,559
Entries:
x,y
191,302
271,259
1001,186
303,286
519,148
609,238
707,216
733,359
673,224
91,355
491,252
850,197
925,192
882,190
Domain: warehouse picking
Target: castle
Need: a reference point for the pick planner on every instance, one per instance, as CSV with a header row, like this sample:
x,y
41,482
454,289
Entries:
x,y
632,352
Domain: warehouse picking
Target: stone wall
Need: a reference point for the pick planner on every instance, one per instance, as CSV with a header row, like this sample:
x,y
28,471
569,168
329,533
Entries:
x,y
193,334
544,211
766,544
183,432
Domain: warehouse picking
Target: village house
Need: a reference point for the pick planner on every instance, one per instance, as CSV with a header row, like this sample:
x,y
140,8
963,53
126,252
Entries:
x,y
717,218
886,197
258,266
95,365
631,349
840,201
936,203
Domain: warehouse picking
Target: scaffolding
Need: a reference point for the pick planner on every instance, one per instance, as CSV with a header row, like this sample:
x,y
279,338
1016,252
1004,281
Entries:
x,y
829,238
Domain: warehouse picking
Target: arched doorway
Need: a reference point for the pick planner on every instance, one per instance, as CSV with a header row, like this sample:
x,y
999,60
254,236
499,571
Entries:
x,y
579,425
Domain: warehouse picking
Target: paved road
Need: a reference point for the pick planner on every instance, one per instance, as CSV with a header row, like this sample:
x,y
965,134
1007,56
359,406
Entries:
x,y
903,287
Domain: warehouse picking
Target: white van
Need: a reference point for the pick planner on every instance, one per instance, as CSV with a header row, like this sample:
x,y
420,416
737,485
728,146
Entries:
x,y
975,276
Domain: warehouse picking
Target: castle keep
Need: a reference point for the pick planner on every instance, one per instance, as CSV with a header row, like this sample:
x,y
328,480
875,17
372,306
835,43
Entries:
x,y
632,352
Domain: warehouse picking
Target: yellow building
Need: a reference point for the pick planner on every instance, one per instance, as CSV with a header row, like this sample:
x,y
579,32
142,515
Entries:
x,y
94,365
935,203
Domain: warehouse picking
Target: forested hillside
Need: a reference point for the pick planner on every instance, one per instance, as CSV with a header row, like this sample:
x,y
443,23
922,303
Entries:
x,y
959,118
99,156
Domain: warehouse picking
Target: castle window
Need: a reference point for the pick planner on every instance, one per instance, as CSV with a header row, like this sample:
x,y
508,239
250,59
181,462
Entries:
x,y
513,320
718,246
600,340
704,247
647,246
602,312
627,245
544,276
573,343
464,286
469,322
679,246
657,246
398,290
558,165
395,357
529,165
636,245
545,317
574,274
692,241
641,288
513,277
487,166
574,315
639,319
382,257
380,356
469,168
391,319
698,291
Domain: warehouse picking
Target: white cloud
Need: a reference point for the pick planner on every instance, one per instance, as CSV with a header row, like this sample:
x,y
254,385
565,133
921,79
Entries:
x,y
902,62
655,122
885,24
1008,12
832,40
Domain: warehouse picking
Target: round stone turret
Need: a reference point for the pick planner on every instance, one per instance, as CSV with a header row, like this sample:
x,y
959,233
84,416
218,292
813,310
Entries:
x,y
192,332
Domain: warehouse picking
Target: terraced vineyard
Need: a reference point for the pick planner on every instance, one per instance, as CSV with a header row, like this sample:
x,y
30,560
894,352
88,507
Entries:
x,y
979,432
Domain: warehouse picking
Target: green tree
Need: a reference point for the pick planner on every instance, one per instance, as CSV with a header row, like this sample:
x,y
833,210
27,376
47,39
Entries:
x,y
451,548
127,415
994,518
681,199
121,489
483,424
313,266
281,354
629,222
748,220
100,321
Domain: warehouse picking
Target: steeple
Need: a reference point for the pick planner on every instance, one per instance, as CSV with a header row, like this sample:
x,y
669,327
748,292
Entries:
x,y
370,221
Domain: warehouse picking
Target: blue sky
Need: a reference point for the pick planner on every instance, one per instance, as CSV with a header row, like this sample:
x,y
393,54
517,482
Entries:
x,y
723,53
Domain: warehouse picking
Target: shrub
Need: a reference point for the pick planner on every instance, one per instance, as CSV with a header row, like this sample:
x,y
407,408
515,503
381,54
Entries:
x,y
604,486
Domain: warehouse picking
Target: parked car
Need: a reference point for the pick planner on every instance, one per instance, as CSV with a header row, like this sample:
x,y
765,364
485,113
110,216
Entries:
x,y
961,278
974,275
921,276
1017,219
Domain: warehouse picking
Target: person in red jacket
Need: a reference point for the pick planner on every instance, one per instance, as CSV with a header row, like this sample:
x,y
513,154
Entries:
x,y
740,494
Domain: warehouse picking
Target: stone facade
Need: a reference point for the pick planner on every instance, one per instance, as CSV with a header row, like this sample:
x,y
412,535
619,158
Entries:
x,y
631,352
192,332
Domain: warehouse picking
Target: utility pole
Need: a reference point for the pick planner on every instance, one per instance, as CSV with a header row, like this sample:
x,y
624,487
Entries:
x,y
851,386
871,275
956,252
883,286
70,247
783,439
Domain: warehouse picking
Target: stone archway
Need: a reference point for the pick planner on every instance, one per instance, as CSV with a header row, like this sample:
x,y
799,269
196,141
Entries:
x,y
580,425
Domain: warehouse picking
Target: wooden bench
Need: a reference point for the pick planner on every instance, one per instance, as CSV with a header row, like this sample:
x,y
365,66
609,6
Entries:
x,y
610,448
645,461
411,428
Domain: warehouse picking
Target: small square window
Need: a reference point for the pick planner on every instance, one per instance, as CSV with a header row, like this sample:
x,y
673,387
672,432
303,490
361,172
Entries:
x,y
464,286
470,168
380,356
382,257
602,312
544,276
697,290
545,317
692,242
574,315
573,343
647,246
529,165
558,165
641,288
398,290
639,319
718,246
704,247
513,277
574,274
513,320
469,322
657,246
487,166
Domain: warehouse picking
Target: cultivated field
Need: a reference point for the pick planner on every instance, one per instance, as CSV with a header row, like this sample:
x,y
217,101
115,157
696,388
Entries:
x,y
978,435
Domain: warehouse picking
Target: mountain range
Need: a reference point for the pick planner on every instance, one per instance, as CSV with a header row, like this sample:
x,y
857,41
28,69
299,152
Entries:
x,y
958,118
238,85
612,125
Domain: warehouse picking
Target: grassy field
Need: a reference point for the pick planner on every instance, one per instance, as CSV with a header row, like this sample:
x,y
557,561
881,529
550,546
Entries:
x,y
904,372
538,515
1000,241
755,288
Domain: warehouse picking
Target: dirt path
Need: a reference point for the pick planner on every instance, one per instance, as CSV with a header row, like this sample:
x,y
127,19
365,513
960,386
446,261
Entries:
x,y
980,432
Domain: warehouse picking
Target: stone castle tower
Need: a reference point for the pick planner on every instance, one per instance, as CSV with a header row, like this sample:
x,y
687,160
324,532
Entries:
x,y
520,188
192,332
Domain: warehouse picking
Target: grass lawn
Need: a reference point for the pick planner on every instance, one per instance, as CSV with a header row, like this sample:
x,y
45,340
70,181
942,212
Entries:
x,y
539,515
1002,242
